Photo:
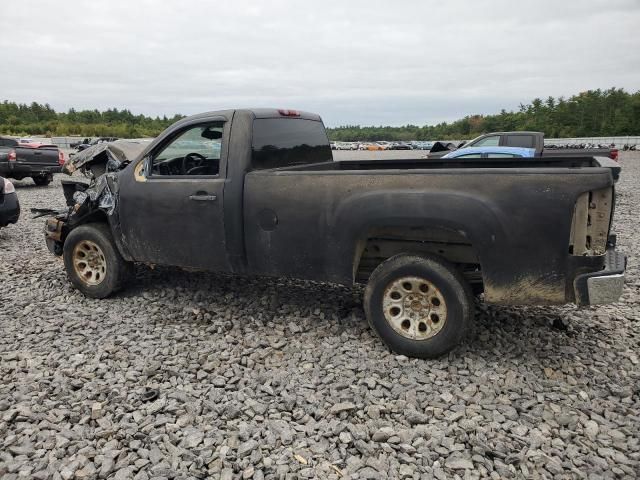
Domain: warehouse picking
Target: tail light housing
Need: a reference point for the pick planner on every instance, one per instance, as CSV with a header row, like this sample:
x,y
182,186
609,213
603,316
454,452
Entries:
x,y
289,113
12,156
60,157
8,187
591,221
613,155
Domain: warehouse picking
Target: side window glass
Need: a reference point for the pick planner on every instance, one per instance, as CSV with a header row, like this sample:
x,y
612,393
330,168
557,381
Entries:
x,y
283,142
470,155
525,141
492,141
503,155
195,151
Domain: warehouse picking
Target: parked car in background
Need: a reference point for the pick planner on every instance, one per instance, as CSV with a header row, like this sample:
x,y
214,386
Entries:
x,y
425,145
26,140
399,146
9,205
422,235
20,161
84,141
344,145
83,146
381,145
492,152
533,140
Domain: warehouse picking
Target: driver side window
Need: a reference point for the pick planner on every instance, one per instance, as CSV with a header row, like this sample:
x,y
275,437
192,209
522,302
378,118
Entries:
x,y
491,141
195,151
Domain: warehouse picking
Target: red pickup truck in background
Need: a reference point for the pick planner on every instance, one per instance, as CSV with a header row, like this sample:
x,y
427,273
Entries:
x,y
35,160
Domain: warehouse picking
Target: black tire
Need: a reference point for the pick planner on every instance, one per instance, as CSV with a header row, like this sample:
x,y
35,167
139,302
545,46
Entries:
x,y
42,181
451,287
117,270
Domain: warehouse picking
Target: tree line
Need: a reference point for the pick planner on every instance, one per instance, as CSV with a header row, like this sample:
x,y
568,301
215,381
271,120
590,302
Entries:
x,y
594,113
37,119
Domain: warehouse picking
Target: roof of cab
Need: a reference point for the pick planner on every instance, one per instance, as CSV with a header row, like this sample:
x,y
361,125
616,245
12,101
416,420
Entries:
x,y
257,113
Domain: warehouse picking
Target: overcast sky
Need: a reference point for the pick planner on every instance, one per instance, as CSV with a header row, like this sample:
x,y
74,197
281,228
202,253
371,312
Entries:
x,y
362,62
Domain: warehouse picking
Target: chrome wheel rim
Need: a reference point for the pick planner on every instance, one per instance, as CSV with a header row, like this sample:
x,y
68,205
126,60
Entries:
x,y
89,262
414,307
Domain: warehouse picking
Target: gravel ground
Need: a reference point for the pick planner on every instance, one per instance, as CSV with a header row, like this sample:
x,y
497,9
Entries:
x,y
281,379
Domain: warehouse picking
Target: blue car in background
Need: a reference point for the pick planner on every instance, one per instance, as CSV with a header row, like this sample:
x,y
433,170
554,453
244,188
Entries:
x,y
492,152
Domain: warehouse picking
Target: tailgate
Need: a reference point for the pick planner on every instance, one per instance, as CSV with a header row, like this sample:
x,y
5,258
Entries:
x,y
614,166
37,156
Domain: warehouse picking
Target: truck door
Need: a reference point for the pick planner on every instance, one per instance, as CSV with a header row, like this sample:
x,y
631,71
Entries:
x,y
171,210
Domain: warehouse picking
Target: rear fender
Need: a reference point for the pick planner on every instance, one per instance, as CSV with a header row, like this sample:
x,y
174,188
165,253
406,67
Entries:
x,y
473,218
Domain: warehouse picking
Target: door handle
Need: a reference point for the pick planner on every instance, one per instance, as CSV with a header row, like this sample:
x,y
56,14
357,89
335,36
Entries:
x,y
203,198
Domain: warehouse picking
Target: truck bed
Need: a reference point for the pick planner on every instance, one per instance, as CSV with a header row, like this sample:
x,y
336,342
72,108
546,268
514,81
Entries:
x,y
510,219
575,152
584,162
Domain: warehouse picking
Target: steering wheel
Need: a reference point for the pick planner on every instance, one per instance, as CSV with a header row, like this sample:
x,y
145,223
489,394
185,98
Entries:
x,y
195,158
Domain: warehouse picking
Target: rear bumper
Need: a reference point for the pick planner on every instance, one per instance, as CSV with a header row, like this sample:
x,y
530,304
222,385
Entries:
x,y
9,209
19,170
604,286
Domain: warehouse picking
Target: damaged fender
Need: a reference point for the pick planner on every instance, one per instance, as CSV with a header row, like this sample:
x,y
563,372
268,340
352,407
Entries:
x,y
95,200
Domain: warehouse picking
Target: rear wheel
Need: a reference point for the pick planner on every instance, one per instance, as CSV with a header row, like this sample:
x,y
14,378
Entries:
x,y
43,181
419,306
93,263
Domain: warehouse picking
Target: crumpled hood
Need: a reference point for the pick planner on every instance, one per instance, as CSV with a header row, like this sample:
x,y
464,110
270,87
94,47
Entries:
x,y
102,164
105,157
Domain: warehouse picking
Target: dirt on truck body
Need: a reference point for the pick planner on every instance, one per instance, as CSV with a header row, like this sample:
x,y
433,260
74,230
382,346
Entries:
x,y
257,192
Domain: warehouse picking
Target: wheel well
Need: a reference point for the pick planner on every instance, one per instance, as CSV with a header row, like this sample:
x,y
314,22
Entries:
x,y
383,243
95,216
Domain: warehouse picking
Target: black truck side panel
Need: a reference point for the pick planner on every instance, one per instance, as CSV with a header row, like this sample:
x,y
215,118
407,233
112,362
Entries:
x,y
309,224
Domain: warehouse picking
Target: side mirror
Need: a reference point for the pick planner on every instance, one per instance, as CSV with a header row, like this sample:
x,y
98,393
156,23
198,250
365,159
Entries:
x,y
211,134
142,169
146,166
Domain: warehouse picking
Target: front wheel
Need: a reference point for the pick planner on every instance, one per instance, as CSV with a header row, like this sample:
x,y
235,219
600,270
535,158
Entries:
x,y
419,306
92,261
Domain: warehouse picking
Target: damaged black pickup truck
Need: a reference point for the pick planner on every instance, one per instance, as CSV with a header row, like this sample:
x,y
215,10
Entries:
x,y
257,192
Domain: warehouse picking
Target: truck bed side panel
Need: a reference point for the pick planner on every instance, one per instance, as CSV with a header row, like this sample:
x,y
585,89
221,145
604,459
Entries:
x,y
309,225
576,152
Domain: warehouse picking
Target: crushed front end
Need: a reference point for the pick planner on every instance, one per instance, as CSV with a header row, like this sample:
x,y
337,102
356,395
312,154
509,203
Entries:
x,y
92,200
